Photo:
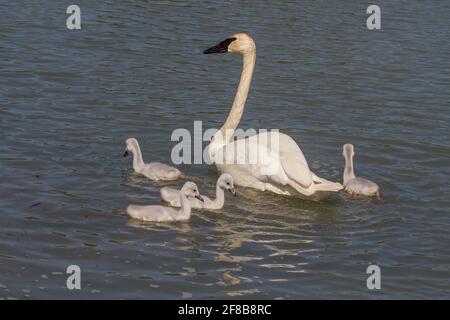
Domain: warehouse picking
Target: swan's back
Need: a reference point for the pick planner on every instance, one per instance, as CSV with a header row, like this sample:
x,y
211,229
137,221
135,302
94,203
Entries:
x,y
153,213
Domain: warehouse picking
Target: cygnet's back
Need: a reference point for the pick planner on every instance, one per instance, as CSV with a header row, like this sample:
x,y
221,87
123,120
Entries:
x,y
162,213
224,182
153,170
152,213
172,196
362,186
161,171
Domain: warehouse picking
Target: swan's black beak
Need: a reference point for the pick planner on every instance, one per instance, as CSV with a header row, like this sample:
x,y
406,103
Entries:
x,y
199,197
232,191
125,153
221,47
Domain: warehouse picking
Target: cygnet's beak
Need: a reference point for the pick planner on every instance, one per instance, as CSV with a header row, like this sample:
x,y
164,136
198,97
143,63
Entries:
x,y
221,47
125,153
199,197
232,191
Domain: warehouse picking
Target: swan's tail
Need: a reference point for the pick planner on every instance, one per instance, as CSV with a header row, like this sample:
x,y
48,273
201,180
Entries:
x,y
328,186
321,184
173,174
317,185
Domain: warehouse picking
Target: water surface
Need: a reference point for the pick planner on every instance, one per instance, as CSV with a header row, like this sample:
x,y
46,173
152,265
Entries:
x,y
69,99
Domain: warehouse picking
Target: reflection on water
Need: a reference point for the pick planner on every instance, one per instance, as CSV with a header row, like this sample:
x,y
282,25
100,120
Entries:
x,y
68,101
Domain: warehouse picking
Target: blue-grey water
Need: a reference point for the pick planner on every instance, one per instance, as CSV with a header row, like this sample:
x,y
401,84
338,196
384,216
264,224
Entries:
x,y
69,99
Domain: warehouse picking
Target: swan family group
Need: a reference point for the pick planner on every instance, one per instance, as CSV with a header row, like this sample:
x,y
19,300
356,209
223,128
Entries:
x,y
292,176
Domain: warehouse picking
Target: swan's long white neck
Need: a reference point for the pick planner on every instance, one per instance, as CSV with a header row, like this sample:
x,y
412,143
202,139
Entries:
x,y
348,171
219,201
185,211
138,162
237,108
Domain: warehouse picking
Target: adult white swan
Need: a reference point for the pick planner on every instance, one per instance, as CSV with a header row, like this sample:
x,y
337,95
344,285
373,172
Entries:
x,y
269,161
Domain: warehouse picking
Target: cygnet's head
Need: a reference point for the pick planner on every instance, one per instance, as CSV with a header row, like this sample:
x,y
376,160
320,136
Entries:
x,y
347,151
131,145
190,190
226,182
240,43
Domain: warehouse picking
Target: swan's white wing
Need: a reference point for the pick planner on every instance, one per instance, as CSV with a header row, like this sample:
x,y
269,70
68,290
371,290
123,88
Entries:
x,y
293,161
245,154
270,157
297,169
